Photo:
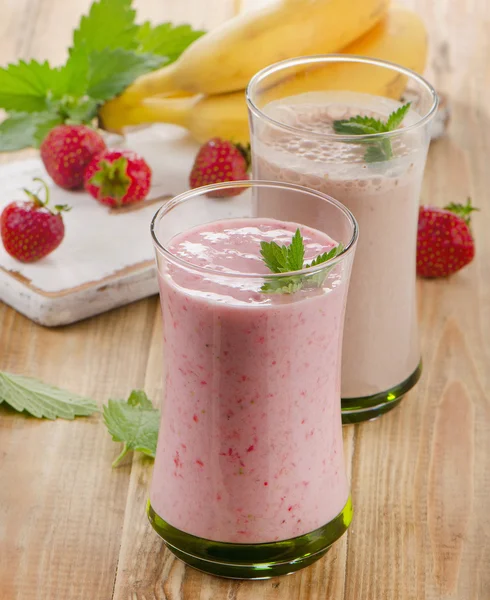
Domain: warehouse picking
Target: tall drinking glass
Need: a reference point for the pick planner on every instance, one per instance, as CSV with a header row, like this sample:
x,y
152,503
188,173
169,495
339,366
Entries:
x,y
249,478
294,110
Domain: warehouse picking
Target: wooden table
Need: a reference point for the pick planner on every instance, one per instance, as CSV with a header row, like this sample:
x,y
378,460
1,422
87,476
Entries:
x,y
71,528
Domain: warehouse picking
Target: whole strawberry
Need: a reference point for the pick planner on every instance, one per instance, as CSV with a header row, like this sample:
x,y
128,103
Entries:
x,y
444,241
29,229
67,150
118,177
217,161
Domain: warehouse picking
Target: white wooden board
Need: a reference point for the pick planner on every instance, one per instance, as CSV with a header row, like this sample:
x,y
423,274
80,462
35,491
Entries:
x,y
106,257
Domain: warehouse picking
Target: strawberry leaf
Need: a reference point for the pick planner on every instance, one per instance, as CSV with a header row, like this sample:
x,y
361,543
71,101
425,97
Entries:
x,y
110,24
166,40
462,210
111,71
112,178
24,86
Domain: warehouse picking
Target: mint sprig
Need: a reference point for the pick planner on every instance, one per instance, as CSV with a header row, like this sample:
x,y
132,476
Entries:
x,y
134,422
284,259
109,51
42,400
377,150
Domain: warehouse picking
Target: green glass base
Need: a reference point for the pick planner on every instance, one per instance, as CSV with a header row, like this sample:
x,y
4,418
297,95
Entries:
x,y
357,410
252,561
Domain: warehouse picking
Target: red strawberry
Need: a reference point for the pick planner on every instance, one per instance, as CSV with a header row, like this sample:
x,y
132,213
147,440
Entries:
x,y
67,150
444,243
29,229
118,177
220,160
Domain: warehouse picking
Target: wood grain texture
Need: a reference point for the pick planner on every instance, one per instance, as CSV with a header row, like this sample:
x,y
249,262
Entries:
x,y
73,529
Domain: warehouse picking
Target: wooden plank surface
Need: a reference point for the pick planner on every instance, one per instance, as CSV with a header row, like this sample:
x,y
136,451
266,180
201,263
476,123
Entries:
x,y
73,529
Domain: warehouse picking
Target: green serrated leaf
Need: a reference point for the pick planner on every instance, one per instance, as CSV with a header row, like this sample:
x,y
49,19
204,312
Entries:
x,y
17,131
139,398
166,40
135,423
396,117
42,400
25,86
359,126
378,151
110,24
111,71
295,252
317,279
282,285
275,256
44,126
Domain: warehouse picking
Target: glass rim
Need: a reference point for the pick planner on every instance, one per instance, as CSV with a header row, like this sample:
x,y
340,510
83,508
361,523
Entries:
x,y
179,199
332,58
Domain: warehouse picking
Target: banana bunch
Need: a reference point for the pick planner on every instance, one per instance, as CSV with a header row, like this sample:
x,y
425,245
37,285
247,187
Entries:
x,y
204,89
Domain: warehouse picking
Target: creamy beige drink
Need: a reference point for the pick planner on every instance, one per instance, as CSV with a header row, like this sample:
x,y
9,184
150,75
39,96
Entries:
x,y
381,345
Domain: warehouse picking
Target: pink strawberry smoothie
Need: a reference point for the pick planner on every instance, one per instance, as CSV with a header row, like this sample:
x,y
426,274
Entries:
x,y
250,446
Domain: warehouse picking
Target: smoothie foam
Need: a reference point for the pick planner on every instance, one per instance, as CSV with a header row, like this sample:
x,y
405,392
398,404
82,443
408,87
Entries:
x,y
381,346
250,448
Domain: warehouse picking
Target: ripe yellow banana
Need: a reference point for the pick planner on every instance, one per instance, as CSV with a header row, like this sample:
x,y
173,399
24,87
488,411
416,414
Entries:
x,y
223,115
226,58
400,37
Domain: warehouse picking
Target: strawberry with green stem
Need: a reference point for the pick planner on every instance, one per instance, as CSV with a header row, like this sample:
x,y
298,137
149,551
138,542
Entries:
x,y
445,243
220,160
118,178
29,229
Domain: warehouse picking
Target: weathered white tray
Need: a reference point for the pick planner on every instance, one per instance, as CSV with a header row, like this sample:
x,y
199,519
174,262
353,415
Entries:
x,y
106,258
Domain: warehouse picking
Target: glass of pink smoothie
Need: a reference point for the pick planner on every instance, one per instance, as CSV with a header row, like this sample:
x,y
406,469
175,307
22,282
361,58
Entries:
x,y
294,109
249,478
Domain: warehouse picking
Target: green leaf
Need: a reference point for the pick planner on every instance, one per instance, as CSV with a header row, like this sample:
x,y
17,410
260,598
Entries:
x,y
378,151
73,80
283,285
110,24
275,256
44,126
166,40
25,86
17,131
462,210
282,259
42,400
111,71
296,252
135,423
397,116
348,128
317,279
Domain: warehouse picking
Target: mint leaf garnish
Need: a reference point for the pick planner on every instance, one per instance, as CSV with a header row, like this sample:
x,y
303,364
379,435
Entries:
x,y
284,259
134,422
377,150
396,118
42,400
